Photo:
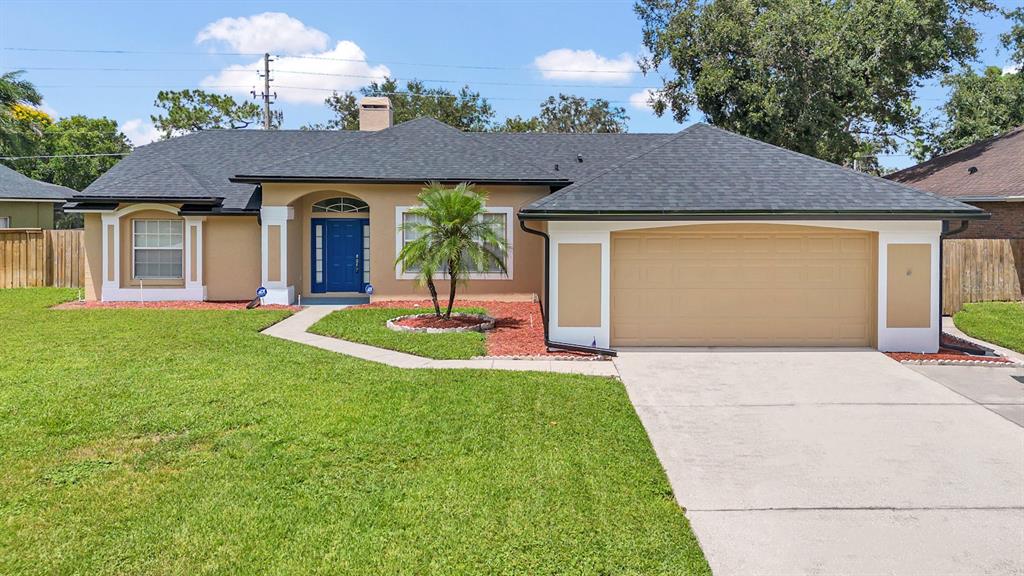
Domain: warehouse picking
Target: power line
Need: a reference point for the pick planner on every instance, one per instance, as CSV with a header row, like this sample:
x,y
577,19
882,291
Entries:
x,y
313,89
324,58
340,75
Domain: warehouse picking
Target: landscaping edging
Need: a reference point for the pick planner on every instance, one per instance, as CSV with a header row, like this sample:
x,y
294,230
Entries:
x,y
486,323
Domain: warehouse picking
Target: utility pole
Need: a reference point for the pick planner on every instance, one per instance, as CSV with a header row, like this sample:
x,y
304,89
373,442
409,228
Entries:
x,y
266,95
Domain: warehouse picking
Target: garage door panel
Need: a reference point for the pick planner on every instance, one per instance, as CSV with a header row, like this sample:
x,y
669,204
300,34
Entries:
x,y
809,287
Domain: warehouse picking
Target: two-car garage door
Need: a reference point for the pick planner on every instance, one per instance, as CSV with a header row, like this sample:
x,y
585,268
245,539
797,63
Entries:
x,y
743,285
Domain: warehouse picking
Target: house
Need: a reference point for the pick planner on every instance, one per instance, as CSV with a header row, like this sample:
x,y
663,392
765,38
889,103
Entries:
x,y
28,203
702,237
988,174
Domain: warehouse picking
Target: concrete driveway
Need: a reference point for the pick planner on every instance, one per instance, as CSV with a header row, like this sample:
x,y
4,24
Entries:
x,y
831,462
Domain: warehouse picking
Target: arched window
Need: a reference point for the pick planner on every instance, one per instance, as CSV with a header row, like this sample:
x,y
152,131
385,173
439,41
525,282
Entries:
x,y
343,204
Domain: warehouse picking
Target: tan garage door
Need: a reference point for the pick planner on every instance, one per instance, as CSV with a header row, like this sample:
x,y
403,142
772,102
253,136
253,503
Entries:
x,y
743,285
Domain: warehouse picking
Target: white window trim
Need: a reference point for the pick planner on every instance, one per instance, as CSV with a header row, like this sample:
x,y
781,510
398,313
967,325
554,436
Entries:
x,y
509,213
181,250
5,221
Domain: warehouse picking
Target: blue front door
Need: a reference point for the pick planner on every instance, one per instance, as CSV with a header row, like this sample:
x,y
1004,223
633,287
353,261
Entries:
x,y
337,255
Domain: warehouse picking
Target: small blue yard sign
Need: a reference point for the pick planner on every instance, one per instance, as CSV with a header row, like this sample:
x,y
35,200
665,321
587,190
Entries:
x,y
369,288
261,292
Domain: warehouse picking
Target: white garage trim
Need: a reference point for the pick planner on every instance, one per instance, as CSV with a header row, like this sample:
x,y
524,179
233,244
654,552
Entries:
x,y
889,232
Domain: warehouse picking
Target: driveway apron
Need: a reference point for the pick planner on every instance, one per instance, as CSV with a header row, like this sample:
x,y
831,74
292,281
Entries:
x,y
831,462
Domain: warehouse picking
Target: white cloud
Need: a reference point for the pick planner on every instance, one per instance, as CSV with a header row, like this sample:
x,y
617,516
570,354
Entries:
x,y
139,131
586,65
1011,69
267,32
303,80
642,100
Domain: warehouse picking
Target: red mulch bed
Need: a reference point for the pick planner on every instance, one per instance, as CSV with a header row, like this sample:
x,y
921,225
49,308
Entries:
x,y
948,354
435,322
518,327
170,305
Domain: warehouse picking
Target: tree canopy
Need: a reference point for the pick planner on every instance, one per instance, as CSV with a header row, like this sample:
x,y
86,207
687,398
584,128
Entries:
x,y
465,110
833,79
188,111
79,136
569,113
980,106
18,121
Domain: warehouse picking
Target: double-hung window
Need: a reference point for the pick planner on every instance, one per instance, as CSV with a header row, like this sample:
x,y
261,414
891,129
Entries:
x,y
5,221
157,249
500,219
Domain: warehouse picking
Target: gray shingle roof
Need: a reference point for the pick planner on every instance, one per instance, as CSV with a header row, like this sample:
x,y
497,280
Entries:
x,y
597,151
701,169
17,186
199,165
707,170
417,151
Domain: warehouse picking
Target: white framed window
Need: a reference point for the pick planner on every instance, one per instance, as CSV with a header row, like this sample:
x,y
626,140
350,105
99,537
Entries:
x,y
157,249
5,221
500,217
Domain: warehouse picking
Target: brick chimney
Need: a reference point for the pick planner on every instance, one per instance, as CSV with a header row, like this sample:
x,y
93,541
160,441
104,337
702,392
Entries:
x,y
375,113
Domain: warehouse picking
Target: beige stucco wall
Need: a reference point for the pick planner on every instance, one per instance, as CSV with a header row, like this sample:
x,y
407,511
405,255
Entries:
x,y
127,277
579,292
527,253
909,284
93,256
28,214
231,257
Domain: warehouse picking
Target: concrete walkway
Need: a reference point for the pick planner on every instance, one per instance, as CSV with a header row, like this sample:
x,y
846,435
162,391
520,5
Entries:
x,y
831,462
950,328
294,328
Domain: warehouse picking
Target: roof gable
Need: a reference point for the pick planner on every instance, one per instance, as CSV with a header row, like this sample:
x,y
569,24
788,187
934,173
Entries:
x,y
703,169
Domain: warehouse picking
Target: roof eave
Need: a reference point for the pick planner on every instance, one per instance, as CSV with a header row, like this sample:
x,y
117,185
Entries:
x,y
1008,198
162,199
753,215
257,179
40,199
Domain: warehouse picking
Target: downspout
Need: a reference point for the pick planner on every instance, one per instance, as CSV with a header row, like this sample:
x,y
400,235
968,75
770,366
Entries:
x,y
942,236
547,295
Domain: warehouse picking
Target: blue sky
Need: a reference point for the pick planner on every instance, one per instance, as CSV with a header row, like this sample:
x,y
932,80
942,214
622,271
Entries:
x,y
514,52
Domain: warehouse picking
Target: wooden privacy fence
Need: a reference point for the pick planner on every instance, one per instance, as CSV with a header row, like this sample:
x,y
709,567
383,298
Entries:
x,y
980,271
31,258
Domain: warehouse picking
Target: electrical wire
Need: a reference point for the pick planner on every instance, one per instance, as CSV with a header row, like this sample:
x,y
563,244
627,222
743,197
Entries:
x,y
313,57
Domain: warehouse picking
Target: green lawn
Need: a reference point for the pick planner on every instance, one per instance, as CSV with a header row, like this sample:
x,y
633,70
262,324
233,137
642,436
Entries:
x,y
184,442
1000,323
369,326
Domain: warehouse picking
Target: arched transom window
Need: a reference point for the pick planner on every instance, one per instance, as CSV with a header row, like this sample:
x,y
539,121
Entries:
x,y
342,204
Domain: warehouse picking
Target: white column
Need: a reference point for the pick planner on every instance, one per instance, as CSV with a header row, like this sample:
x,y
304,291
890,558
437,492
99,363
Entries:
x,y
278,290
195,288
111,225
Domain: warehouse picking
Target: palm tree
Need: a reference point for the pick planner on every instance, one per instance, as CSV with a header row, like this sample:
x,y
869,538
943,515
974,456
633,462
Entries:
x,y
450,234
14,92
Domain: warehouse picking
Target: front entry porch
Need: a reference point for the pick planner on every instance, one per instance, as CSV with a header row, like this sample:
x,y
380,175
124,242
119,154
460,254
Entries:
x,y
316,249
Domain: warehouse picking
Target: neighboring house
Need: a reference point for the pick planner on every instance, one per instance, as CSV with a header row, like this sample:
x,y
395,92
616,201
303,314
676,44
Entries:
x,y
28,203
988,174
701,237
